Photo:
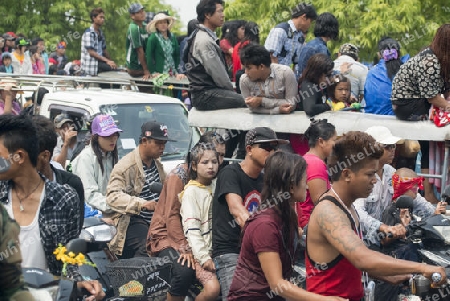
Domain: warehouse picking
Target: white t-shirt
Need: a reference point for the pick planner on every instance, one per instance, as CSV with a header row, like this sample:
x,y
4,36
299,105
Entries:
x,y
33,255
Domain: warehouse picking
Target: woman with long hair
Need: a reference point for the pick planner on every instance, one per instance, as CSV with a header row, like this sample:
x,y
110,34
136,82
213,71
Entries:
x,y
95,163
167,238
196,213
269,236
163,51
251,35
321,136
313,84
378,86
232,33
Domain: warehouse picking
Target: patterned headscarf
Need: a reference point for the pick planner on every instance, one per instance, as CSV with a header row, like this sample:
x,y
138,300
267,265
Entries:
x,y
402,185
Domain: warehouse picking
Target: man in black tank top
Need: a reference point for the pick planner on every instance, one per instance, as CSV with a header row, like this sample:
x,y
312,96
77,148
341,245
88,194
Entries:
x,y
334,240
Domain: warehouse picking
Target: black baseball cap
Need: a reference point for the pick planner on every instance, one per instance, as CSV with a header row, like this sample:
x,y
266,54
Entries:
x,y
155,130
262,135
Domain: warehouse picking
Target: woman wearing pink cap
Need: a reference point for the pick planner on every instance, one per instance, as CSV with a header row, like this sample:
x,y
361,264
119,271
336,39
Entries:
x,y
95,163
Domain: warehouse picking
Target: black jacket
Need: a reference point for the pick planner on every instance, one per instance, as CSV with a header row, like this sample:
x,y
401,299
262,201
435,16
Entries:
x,y
313,99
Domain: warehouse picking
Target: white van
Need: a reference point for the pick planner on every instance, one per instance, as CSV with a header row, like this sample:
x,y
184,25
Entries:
x,y
130,110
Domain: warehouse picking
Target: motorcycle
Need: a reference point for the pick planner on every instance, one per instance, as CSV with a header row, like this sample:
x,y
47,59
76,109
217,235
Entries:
x,y
430,238
45,287
140,278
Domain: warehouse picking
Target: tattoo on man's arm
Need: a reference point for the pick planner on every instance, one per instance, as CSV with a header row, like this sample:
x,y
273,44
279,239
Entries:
x,y
335,224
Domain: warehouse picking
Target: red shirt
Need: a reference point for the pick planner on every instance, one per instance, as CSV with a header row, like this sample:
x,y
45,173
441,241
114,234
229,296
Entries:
x,y
317,169
337,278
299,144
262,233
237,58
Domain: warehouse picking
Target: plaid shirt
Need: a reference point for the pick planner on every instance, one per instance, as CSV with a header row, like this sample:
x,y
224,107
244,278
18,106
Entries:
x,y
59,219
278,39
95,41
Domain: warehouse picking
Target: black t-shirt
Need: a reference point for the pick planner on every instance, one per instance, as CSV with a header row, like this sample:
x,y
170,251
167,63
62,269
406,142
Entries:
x,y
226,232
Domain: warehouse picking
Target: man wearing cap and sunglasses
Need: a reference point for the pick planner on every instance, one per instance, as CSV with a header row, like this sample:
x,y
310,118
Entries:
x,y
237,195
129,192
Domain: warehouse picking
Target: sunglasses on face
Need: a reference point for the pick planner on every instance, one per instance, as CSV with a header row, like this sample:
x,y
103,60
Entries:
x,y
268,147
389,146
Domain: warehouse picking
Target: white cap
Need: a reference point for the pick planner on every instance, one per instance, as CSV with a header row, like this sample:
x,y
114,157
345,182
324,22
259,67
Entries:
x,y
382,135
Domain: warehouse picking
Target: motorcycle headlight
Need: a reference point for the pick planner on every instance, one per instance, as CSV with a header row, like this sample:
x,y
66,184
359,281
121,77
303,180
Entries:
x,y
99,233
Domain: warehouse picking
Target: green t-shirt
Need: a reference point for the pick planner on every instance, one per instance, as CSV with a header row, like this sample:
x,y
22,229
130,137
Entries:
x,y
136,37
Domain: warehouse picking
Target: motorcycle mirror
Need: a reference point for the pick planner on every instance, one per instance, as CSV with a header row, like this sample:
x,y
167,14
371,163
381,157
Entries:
x,y
77,246
404,202
156,187
37,278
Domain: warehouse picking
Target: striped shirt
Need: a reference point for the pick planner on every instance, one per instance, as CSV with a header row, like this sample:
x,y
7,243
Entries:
x,y
151,175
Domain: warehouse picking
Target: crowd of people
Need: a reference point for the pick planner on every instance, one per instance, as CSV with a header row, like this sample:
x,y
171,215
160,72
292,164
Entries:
x,y
234,227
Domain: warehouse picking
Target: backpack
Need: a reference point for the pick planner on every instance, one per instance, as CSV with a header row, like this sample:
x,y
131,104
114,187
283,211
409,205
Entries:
x,y
290,34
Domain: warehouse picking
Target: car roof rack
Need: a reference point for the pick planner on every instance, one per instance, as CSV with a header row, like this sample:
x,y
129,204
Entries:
x,y
26,82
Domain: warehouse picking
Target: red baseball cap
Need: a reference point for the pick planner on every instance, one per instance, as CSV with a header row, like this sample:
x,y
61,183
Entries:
x,y
12,34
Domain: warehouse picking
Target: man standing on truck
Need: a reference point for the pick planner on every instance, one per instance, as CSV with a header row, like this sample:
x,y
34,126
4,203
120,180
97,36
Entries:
x,y
209,83
94,56
136,42
286,39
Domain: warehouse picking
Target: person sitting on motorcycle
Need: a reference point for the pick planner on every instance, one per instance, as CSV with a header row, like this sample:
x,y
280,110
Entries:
x,y
334,240
47,142
48,213
166,237
406,183
95,162
370,209
129,194
196,213
406,203
270,236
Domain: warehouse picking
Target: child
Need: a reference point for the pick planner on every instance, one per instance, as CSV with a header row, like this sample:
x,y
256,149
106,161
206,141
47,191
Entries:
x,y
406,182
196,212
339,93
6,60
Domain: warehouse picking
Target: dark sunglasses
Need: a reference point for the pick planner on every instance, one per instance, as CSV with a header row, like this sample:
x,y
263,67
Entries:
x,y
389,146
268,146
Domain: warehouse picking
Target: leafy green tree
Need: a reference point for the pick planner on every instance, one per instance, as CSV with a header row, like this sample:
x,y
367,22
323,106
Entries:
x,y
63,20
362,22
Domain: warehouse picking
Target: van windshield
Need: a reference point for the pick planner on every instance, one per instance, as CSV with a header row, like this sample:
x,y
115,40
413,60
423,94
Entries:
x,y
130,117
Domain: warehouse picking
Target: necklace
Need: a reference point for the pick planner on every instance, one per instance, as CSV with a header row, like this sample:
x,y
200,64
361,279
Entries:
x,y
358,231
24,198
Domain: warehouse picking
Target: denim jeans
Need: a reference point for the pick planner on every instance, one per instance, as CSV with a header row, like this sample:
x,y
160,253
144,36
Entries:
x,y
225,266
217,99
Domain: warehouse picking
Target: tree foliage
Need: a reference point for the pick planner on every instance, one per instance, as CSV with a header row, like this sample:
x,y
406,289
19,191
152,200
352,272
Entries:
x,y
362,22
63,20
